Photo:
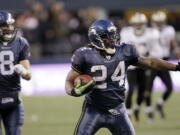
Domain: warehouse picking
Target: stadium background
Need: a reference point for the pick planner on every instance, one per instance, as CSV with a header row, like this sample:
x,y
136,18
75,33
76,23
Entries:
x,y
55,29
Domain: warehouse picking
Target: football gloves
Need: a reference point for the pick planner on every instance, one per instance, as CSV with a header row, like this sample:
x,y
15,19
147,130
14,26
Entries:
x,y
80,89
20,70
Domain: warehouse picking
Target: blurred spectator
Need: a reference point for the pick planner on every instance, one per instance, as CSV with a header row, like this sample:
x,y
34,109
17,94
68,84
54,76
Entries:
x,y
81,23
56,31
31,24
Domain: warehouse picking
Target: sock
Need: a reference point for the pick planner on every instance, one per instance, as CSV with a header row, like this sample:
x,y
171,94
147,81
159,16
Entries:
x,y
160,101
129,111
149,109
136,107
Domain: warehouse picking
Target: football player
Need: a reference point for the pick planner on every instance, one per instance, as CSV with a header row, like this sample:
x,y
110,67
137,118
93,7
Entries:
x,y
106,62
168,44
14,64
143,37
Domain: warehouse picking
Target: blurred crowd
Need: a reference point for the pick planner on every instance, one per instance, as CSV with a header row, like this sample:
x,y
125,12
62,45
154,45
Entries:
x,y
55,32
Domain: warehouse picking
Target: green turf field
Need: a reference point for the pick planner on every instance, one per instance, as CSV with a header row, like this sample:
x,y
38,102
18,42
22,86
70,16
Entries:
x,y
58,116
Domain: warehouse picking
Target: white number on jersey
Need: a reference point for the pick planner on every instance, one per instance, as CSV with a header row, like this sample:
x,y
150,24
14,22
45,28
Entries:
x,y
118,74
6,66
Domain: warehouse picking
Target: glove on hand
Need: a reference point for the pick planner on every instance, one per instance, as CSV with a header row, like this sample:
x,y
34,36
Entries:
x,y
79,90
19,69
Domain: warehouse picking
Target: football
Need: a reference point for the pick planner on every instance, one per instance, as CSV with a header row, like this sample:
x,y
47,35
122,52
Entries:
x,y
85,79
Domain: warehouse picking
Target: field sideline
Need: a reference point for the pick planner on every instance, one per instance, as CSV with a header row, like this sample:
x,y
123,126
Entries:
x,y
57,115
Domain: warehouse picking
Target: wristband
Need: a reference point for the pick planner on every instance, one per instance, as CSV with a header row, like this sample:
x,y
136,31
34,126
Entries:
x,y
73,93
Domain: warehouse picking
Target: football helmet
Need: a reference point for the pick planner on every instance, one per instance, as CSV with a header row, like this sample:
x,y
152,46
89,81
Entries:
x,y
159,16
103,35
139,22
7,28
138,18
158,19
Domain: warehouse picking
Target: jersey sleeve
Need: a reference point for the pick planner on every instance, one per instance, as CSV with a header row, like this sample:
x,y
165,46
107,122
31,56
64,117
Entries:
x,y
25,50
171,33
77,60
131,54
125,34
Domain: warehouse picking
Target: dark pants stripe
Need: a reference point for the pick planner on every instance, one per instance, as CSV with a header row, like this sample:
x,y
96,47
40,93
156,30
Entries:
x,y
80,119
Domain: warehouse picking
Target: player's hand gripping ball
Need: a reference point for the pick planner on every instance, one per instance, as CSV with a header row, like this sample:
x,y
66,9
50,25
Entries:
x,y
84,79
83,84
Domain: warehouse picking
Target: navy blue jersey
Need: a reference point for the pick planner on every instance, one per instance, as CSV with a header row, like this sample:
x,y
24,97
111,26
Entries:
x,y
10,55
108,72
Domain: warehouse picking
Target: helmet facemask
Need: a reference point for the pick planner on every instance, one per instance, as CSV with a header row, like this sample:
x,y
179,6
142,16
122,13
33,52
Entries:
x,y
7,28
139,28
159,19
7,32
139,22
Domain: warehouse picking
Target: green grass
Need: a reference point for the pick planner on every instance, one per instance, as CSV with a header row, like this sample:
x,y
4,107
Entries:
x,y
57,115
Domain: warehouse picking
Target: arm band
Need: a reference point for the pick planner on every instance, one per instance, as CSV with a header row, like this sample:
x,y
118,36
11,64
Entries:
x,y
73,93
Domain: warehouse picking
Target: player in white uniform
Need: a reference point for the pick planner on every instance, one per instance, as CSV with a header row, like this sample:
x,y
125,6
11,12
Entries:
x,y
145,39
168,44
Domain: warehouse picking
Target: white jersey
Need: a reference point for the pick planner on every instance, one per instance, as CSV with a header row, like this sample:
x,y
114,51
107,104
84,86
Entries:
x,y
167,34
147,44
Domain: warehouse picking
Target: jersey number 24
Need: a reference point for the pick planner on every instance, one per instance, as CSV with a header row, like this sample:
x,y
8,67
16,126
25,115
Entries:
x,y
118,75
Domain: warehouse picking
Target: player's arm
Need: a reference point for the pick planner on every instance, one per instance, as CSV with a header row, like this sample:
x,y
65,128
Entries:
x,y
69,85
78,90
23,66
23,69
157,64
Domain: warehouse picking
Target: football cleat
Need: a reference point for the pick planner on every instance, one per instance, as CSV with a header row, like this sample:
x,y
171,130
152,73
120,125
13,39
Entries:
x,y
136,115
160,110
150,116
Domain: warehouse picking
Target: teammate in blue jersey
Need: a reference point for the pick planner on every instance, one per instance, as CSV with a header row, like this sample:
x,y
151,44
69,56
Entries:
x,y
107,62
14,64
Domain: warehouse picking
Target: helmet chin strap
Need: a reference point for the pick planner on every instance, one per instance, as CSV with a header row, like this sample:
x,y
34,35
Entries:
x,y
7,38
110,50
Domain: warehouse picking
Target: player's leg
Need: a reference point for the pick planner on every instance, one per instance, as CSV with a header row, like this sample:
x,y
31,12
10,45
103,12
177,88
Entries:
x,y
89,122
131,78
141,80
13,120
166,78
120,124
150,75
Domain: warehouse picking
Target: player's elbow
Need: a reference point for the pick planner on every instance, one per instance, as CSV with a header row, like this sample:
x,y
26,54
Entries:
x,y
68,89
68,92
